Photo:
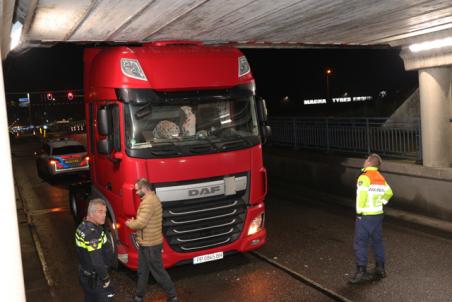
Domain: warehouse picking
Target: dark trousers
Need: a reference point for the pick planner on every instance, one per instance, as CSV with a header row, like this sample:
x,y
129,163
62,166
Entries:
x,y
96,294
369,228
150,261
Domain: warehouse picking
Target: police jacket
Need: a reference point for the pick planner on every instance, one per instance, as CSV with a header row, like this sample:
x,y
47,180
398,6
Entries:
x,y
372,192
148,222
94,251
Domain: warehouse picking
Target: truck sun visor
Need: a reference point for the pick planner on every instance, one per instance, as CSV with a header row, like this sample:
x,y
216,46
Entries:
x,y
132,69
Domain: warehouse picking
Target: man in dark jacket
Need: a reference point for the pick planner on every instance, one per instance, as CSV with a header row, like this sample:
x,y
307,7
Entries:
x,y
95,254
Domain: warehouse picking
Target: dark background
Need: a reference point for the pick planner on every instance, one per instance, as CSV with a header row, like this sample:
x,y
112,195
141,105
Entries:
x,y
293,74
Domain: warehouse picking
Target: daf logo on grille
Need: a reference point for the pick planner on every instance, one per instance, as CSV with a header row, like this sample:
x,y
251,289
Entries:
x,y
204,191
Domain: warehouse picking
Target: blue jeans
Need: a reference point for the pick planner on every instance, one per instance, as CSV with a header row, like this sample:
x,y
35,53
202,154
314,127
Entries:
x,y
369,228
150,261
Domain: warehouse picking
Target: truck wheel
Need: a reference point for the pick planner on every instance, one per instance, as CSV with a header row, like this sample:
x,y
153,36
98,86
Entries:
x,y
110,232
74,207
39,171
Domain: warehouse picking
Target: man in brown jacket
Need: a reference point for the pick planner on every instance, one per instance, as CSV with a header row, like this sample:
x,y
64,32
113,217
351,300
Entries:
x,y
148,227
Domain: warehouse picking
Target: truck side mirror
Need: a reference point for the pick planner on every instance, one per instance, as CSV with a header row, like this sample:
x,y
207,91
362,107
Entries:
x,y
103,121
104,146
265,129
261,110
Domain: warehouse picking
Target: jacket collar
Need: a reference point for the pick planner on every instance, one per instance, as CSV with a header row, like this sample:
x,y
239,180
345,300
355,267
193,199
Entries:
x,y
369,169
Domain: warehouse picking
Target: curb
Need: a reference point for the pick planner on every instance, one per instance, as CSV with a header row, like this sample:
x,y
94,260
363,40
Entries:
x,y
37,242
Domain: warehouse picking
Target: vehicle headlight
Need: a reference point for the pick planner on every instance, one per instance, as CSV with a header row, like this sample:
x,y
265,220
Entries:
x,y
244,67
256,224
132,69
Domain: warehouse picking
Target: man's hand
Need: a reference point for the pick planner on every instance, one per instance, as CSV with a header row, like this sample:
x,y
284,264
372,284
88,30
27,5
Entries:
x,y
106,282
129,220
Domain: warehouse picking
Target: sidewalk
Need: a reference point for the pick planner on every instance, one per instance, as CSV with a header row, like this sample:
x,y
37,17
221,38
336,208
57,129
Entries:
x,y
36,287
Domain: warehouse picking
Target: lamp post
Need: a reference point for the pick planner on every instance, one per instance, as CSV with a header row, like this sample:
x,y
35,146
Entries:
x,y
328,73
30,116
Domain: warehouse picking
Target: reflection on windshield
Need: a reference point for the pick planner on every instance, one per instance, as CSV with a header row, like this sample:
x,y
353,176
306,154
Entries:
x,y
187,122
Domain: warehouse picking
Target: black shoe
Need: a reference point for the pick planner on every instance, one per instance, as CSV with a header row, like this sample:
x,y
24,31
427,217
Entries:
x,y
173,299
361,275
379,272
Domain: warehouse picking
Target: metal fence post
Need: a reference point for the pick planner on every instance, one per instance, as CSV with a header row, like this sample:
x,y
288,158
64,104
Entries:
x,y
368,135
327,135
419,135
294,124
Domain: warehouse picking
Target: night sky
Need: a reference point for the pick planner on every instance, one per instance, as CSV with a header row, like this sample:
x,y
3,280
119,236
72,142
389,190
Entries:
x,y
296,73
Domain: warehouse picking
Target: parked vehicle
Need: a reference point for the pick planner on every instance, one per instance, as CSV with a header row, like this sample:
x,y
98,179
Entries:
x,y
61,156
185,116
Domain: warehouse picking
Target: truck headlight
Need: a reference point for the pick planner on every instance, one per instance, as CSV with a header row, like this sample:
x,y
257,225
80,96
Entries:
x,y
256,224
244,67
132,69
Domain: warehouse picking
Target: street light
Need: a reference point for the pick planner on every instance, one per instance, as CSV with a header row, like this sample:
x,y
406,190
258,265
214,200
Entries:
x,y
328,73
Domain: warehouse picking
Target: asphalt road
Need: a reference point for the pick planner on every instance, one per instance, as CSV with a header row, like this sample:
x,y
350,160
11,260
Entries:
x,y
308,237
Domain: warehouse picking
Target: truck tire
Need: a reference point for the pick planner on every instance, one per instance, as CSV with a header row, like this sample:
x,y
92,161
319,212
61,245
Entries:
x,y
74,207
79,195
111,237
38,169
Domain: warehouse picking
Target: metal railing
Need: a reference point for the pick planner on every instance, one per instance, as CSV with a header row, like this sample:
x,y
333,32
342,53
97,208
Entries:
x,y
349,135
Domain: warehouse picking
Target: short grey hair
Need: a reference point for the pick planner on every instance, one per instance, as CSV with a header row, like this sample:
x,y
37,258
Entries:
x,y
143,182
375,160
93,203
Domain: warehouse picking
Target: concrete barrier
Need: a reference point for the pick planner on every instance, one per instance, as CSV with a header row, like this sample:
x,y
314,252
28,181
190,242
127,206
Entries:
x,y
417,189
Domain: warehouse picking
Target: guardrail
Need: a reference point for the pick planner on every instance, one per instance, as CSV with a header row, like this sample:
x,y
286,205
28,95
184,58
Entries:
x,y
349,135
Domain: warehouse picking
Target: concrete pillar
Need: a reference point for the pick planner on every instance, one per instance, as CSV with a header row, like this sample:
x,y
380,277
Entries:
x,y
12,284
450,115
434,90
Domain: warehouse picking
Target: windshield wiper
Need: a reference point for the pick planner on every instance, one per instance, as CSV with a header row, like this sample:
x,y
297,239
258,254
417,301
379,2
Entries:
x,y
167,148
234,142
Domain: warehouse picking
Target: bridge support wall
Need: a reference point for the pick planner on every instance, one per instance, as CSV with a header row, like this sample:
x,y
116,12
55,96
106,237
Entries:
x,y
417,189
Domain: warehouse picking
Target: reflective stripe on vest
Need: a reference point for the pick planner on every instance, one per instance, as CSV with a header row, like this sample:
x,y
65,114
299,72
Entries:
x,y
92,245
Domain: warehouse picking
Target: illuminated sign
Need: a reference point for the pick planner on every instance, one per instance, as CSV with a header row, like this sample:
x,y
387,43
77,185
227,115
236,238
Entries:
x,y
352,99
24,102
346,99
314,101
342,100
361,98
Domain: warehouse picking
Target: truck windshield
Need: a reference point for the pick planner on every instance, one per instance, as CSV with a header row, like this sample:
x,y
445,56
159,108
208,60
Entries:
x,y
191,125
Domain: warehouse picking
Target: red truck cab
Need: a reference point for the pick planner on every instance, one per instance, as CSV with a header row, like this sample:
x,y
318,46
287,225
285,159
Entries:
x,y
185,116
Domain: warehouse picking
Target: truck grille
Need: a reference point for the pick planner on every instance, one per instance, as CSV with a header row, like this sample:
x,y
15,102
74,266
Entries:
x,y
193,225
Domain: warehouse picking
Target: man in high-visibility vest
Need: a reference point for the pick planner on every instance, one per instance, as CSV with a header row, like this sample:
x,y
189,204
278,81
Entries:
x,y
373,192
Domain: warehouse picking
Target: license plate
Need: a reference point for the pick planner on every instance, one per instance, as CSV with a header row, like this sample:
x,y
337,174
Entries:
x,y
72,161
208,257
